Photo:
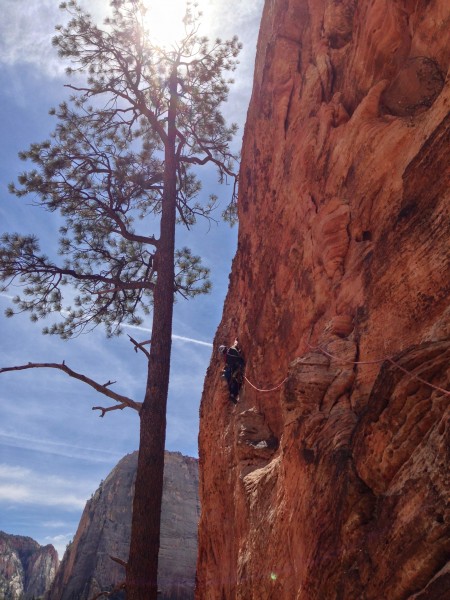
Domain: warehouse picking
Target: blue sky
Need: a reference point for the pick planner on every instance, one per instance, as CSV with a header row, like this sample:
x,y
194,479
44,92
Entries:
x,y
53,449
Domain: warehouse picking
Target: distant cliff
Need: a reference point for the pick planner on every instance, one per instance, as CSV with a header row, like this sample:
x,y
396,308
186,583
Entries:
x,y
105,526
331,480
26,568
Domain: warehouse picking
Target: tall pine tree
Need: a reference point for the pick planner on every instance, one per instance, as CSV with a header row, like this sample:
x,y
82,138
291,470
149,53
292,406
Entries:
x,y
121,169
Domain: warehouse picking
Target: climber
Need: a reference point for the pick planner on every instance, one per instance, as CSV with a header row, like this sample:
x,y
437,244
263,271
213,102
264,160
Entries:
x,y
233,370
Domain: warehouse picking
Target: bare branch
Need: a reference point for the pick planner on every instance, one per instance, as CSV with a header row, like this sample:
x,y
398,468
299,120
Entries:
x,y
97,386
140,346
109,408
118,561
108,383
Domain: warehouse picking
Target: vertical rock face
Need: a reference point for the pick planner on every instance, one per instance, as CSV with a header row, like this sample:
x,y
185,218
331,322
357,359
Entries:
x,y
105,527
334,485
26,568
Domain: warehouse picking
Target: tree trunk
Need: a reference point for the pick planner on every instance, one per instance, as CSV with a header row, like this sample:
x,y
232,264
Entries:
x,y
142,568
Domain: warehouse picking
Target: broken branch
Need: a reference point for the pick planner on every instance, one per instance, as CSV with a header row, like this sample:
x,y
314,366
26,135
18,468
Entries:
x,y
108,383
115,407
140,346
118,560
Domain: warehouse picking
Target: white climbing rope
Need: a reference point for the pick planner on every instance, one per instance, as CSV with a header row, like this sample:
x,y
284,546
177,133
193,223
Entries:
x,y
356,362
267,390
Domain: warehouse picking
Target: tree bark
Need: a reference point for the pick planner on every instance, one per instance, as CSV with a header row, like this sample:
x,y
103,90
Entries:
x,y
142,567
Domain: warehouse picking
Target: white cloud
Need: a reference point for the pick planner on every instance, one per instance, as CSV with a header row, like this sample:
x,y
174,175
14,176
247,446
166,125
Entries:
x,y
59,542
24,486
27,27
54,525
26,31
13,472
47,446
13,493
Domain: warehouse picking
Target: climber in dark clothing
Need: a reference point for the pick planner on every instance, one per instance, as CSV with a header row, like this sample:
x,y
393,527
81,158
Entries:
x,y
234,367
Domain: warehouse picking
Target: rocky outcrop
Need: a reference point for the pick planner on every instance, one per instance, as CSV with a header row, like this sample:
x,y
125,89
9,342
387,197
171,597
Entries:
x,y
105,527
27,569
330,481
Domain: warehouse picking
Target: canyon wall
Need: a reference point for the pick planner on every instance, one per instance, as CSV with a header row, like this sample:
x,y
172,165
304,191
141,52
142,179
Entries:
x,y
105,529
334,485
27,569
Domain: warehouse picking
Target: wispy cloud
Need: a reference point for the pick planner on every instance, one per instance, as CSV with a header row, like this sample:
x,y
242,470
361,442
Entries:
x,y
53,524
26,31
24,486
47,446
59,541
27,27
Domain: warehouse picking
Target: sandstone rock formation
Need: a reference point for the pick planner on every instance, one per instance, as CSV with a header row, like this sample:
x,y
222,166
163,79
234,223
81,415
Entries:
x,y
335,484
27,569
105,527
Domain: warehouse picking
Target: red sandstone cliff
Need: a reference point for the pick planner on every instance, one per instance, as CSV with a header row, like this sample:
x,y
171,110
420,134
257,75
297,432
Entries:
x,y
335,485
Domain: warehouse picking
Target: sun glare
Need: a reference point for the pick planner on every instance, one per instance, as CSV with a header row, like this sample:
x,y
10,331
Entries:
x,y
165,20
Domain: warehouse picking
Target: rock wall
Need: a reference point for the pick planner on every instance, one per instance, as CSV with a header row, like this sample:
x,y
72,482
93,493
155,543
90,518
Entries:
x,y
105,528
27,569
335,484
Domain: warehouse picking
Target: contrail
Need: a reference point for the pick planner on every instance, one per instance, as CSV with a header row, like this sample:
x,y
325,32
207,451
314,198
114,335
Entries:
x,y
174,336
191,340
180,338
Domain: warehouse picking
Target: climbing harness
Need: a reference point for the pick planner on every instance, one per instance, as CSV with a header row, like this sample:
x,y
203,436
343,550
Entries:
x,y
238,376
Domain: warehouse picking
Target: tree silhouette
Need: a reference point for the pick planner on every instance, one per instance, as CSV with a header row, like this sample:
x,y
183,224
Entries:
x,y
121,170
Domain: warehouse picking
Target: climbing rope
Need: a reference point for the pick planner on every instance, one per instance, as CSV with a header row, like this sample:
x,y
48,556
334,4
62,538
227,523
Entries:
x,y
356,362
272,389
379,361
267,390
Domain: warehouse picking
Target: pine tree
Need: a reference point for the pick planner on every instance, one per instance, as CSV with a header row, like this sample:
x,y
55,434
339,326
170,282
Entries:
x,y
122,160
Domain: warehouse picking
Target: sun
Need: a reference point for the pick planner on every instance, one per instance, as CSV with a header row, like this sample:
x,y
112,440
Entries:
x,y
164,19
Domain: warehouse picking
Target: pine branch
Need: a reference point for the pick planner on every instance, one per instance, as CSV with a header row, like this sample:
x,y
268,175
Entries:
x,y
102,389
37,265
